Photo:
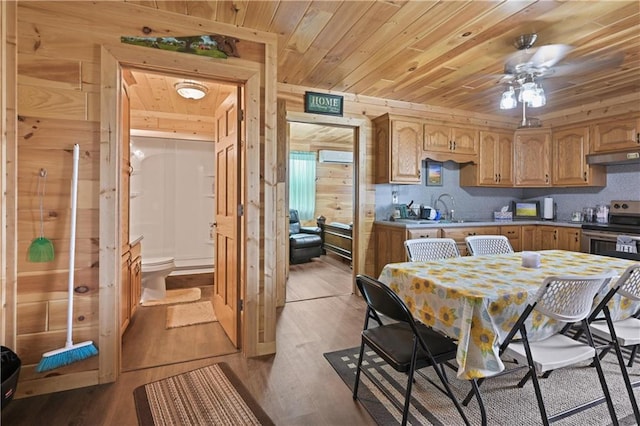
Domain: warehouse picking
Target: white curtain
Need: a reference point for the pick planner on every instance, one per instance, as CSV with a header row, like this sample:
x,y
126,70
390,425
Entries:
x,y
302,183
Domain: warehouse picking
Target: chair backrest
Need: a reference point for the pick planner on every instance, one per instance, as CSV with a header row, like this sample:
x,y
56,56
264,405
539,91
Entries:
x,y
383,300
629,282
422,249
569,298
294,222
479,245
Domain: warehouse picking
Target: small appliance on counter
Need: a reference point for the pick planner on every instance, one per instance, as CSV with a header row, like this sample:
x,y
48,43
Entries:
x,y
621,230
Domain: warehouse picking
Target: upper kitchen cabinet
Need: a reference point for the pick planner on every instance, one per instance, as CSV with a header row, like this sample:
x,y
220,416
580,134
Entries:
x,y
532,157
616,135
495,164
445,142
570,168
398,154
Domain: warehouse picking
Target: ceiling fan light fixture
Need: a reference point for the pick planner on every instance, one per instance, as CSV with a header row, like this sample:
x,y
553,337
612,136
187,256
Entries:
x,y
539,99
190,89
508,100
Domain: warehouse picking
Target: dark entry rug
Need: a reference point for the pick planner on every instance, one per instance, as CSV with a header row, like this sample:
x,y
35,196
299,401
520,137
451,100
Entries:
x,y
505,403
211,395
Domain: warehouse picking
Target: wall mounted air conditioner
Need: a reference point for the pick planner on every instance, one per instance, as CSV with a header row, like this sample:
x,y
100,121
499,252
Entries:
x,y
329,156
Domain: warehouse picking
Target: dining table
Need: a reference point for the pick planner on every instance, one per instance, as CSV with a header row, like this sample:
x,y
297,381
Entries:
x,y
477,299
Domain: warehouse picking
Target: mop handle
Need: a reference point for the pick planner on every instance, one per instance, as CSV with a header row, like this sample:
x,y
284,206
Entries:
x,y
72,241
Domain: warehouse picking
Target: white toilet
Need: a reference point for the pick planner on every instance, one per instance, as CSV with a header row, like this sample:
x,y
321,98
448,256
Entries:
x,y
154,272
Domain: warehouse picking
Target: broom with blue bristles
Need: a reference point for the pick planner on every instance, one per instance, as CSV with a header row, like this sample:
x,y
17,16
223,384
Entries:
x,y
79,351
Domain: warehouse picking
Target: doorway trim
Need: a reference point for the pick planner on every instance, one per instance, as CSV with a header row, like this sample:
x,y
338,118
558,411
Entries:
x,y
360,127
113,57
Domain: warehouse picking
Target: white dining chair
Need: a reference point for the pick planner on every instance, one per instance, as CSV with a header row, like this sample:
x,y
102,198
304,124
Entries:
x,y
566,299
423,249
623,333
479,245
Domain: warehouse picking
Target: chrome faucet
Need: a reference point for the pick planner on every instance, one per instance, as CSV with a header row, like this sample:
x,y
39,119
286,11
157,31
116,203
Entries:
x,y
448,213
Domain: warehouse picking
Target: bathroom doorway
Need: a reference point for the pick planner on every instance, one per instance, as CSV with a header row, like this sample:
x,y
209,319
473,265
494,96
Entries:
x,y
172,205
333,146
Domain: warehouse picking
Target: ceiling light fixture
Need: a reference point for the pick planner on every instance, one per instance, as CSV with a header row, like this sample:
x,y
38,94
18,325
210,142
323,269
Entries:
x,y
190,89
530,94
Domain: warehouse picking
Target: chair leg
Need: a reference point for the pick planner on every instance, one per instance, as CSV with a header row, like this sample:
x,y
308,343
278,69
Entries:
x,y
407,397
534,377
525,379
355,386
603,383
634,351
476,390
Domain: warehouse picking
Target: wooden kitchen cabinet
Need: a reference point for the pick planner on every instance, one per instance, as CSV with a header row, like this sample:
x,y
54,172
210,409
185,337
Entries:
x,y
495,162
459,234
529,238
570,168
569,238
532,158
558,238
389,246
513,233
616,135
459,143
398,154
423,233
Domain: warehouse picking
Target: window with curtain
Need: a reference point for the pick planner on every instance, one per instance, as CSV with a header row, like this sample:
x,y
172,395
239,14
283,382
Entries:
x,y
302,183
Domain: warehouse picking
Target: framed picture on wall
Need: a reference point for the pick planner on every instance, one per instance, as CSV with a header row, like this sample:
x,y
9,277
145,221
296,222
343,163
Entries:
x,y
434,173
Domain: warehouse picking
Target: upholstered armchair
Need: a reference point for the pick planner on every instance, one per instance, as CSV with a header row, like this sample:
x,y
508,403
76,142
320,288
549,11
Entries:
x,y
305,242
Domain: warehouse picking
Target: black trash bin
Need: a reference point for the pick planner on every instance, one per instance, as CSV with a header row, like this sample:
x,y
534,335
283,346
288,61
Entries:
x,y
10,371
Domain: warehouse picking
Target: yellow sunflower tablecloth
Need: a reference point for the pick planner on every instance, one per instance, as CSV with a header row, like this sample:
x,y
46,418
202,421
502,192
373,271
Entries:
x,y
477,299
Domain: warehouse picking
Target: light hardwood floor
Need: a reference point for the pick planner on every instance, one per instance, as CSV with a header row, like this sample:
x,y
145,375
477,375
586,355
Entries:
x,y
296,386
148,343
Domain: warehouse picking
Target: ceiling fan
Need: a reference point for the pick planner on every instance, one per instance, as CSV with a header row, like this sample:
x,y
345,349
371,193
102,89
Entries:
x,y
524,71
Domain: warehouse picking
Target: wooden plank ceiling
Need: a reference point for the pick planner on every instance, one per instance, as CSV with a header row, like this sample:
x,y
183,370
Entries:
x,y
442,53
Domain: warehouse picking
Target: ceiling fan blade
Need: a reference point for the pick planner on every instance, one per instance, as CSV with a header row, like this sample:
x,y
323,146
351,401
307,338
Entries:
x,y
588,65
515,60
549,55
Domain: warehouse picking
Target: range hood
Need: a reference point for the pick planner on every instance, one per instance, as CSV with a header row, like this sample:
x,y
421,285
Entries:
x,y
611,158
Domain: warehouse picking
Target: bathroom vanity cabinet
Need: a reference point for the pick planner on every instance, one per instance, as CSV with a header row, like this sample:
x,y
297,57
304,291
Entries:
x,y
131,285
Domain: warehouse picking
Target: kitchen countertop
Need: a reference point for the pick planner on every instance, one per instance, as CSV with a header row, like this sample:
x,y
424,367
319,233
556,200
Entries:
x,y
416,224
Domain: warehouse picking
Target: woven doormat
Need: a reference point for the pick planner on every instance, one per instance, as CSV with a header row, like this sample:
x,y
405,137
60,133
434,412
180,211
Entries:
x,y
210,395
189,314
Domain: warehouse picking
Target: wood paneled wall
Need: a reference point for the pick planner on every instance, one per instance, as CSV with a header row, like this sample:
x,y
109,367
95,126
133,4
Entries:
x,y
59,104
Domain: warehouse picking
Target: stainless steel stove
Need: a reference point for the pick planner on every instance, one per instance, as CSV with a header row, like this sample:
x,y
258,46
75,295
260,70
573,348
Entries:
x,y
620,237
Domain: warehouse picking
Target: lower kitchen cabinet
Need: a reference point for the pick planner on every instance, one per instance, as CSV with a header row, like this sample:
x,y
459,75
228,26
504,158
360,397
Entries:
x,y
558,238
389,246
513,233
459,234
529,238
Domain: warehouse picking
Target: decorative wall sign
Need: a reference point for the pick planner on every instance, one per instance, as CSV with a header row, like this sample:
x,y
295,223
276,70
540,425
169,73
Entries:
x,y
322,103
213,45
434,173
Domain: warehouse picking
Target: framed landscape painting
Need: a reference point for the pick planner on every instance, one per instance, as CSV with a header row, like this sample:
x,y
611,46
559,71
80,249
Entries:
x,y
434,173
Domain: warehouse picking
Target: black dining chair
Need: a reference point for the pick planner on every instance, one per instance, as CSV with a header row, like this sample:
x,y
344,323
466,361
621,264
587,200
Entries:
x,y
405,344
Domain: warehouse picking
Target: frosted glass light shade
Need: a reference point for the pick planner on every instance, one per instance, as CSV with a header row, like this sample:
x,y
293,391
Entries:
x,y
191,89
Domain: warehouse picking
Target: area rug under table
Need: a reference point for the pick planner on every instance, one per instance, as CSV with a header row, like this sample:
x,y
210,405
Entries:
x,y
211,395
186,314
506,404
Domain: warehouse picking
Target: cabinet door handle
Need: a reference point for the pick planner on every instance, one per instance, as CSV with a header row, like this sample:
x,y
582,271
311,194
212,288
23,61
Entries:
x,y
495,178
638,137
555,234
546,178
499,178
454,145
585,176
450,145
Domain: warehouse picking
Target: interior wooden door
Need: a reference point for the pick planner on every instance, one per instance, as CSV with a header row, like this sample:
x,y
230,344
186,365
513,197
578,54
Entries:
x,y
227,217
